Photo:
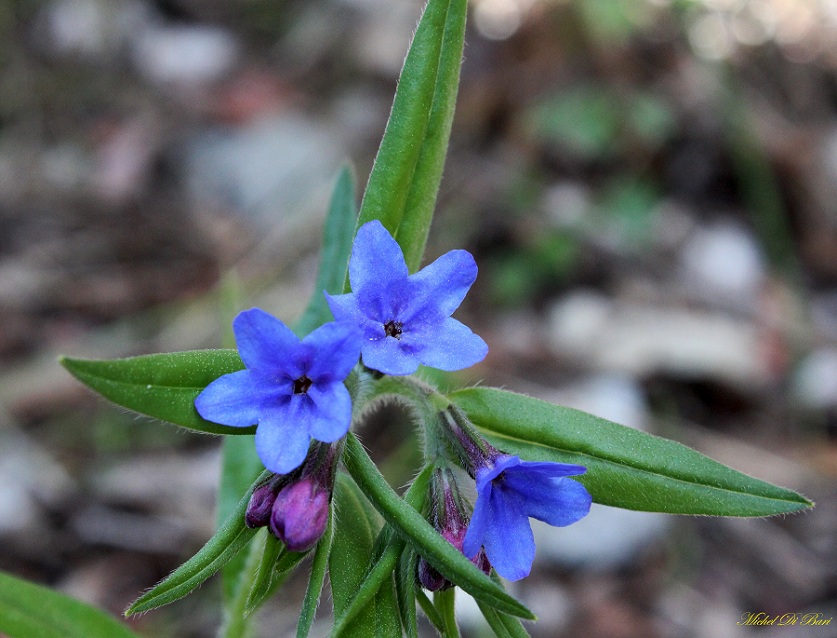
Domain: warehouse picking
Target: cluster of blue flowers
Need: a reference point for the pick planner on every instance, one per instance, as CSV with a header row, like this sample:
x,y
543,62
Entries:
x,y
294,391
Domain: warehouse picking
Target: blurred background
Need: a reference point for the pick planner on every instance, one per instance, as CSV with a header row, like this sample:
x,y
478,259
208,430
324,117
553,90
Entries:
x,y
649,188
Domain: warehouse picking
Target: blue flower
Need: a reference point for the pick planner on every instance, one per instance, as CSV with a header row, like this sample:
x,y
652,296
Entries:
x,y
509,491
405,319
292,389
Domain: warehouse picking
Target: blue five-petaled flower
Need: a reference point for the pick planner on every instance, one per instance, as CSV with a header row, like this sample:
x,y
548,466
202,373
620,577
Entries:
x,y
509,491
292,390
406,319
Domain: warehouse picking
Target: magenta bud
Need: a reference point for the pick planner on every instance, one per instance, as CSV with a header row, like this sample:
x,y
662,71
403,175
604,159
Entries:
x,y
429,578
260,506
451,521
300,514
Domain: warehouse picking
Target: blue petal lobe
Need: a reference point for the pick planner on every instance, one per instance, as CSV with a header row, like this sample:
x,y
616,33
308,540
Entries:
x,y
239,398
336,350
345,310
265,343
439,288
377,260
331,415
550,470
387,355
280,444
557,501
447,346
480,520
508,542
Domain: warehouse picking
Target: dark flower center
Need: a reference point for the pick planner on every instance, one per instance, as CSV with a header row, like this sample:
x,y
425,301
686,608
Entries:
x,y
393,329
302,384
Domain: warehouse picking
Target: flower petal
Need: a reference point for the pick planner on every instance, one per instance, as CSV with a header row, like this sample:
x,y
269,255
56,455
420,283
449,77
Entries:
x,y
240,398
550,470
480,520
265,343
388,355
508,541
376,264
439,288
336,350
345,310
331,415
557,501
448,346
280,443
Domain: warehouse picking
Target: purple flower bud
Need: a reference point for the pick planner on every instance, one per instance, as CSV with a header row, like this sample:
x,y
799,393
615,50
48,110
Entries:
x,y
473,450
300,514
260,506
450,520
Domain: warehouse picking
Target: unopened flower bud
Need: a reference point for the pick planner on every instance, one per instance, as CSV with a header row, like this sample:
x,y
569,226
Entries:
x,y
300,514
450,520
473,450
260,506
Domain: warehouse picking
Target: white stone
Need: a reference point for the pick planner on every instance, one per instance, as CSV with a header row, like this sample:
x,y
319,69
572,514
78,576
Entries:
x,y
815,379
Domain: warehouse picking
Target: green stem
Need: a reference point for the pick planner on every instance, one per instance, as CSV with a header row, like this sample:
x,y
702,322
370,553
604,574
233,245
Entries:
x,y
430,611
445,602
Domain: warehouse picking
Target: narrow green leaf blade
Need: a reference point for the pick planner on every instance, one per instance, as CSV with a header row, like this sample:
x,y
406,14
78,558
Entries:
x,y
405,588
354,538
411,525
503,625
230,538
387,619
163,386
28,610
625,467
338,235
424,188
386,552
316,580
240,467
266,572
405,178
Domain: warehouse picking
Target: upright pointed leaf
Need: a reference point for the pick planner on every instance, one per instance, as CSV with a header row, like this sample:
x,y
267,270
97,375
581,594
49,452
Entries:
x,y
338,235
408,168
421,200
28,610
163,386
625,467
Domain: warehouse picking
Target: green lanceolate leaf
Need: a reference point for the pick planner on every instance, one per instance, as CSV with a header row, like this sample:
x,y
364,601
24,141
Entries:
x,y
163,386
230,538
28,610
338,235
412,526
421,200
444,602
503,625
266,574
240,467
405,588
386,552
354,536
625,467
316,580
408,168
387,619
